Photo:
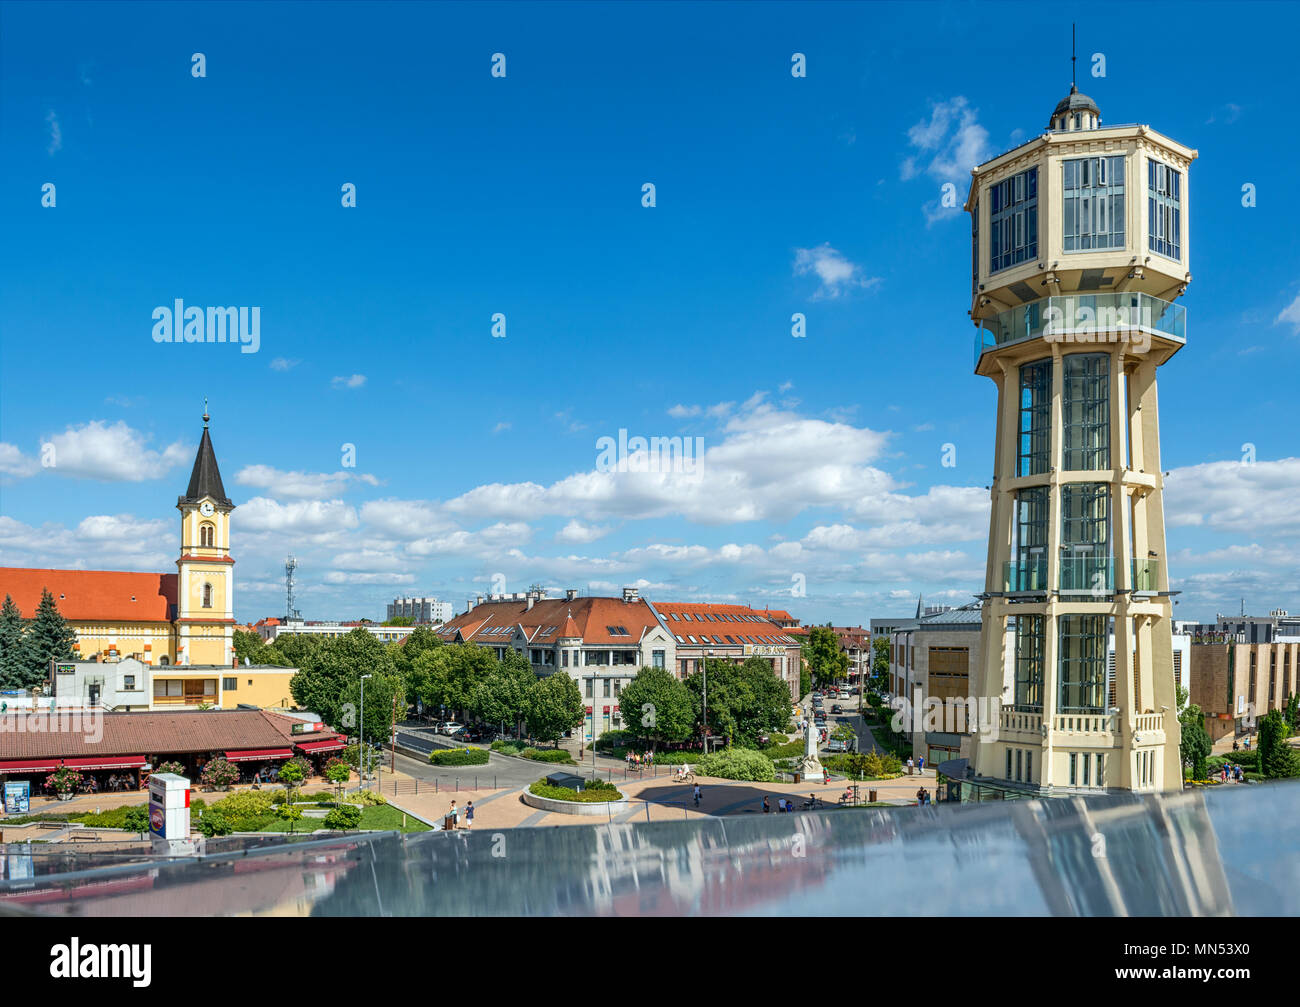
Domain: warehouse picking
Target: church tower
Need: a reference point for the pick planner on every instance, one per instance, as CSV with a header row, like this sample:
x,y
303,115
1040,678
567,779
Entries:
x,y
205,615
1080,251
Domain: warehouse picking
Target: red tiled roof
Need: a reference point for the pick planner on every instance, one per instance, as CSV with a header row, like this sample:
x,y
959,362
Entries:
x,y
84,595
152,733
727,620
552,618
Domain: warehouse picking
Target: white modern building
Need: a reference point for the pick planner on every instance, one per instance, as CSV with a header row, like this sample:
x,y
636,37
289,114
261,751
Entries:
x,y
420,610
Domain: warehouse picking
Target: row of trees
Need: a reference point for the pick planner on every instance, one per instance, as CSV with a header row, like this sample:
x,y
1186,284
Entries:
x,y
744,700
27,646
457,679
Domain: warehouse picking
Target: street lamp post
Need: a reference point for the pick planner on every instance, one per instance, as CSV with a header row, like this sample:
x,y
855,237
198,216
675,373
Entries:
x,y
361,738
705,740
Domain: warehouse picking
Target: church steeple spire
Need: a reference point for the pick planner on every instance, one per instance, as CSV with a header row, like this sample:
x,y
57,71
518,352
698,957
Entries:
x,y
205,478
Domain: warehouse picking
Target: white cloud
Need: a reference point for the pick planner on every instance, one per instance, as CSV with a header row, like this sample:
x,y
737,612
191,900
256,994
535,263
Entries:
x,y
101,542
339,577
56,133
300,485
681,412
949,144
578,533
1290,315
503,425
836,274
285,364
264,514
14,463
114,453
1233,496
355,381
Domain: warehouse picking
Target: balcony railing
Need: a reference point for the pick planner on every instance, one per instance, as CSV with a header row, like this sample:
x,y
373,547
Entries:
x,y
1149,722
1084,318
1016,720
1025,575
1089,574
1083,723
1146,575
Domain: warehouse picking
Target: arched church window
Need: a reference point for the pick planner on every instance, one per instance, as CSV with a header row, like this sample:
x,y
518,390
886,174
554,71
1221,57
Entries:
x,y
207,536
207,595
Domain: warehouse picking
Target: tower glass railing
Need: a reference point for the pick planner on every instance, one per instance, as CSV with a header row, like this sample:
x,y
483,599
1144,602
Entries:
x,y
1026,575
1087,574
1084,318
1146,574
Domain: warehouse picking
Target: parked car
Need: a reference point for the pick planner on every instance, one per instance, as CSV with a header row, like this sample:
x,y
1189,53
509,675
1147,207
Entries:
x,y
837,708
451,727
837,745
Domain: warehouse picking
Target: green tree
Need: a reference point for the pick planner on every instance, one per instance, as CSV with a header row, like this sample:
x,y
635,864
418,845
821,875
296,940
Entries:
x,y
1277,759
398,620
744,699
1194,745
1293,712
338,773
13,647
502,696
329,683
880,656
404,652
290,814
49,637
296,650
657,705
251,647
291,774
826,661
553,706
447,676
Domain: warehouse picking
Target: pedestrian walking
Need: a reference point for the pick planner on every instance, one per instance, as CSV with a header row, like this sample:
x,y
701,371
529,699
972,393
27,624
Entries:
x,y
920,764
910,765
454,815
920,797
469,814
767,807
697,795
780,804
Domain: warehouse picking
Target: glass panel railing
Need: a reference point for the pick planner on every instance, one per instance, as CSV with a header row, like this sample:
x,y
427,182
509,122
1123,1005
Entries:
x,y
1146,574
1025,574
1084,318
1087,574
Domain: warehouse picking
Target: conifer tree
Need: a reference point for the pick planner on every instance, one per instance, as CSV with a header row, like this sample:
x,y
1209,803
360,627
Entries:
x,y
49,638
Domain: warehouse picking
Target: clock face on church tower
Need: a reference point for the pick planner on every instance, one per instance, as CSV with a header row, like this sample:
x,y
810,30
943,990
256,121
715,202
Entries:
x,y
206,508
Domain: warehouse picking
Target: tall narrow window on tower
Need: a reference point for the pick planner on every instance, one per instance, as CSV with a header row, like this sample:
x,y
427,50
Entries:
x,y
1082,677
1029,663
1093,203
1035,418
1086,410
1029,570
1164,210
1013,220
1086,566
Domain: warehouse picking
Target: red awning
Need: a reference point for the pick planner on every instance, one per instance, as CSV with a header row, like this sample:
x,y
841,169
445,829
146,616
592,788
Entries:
x,y
328,745
108,762
251,754
28,765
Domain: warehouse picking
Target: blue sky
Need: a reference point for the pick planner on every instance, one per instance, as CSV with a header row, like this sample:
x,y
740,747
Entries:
x,y
476,457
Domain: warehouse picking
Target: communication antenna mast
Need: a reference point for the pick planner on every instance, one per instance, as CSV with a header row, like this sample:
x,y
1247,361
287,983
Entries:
x,y
290,565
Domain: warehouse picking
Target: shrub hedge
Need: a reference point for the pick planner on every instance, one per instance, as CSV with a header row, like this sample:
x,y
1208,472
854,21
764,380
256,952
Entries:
x,y
459,757
737,764
547,755
594,792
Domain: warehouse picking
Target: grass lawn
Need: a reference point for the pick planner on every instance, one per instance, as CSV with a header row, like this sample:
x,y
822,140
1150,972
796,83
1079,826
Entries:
x,y
380,816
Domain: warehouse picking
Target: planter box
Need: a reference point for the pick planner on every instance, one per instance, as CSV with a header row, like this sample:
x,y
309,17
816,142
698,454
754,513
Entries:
x,y
602,808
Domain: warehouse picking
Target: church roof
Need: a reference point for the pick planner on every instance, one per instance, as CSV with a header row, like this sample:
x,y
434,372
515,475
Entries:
x,y
205,479
83,595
